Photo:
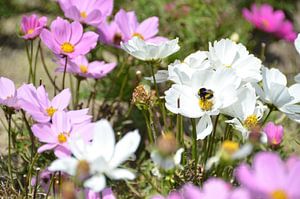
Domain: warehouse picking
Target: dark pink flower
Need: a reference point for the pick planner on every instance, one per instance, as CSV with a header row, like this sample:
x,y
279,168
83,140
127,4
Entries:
x,y
270,177
130,27
81,67
267,19
32,26
68,39
91,12
274,133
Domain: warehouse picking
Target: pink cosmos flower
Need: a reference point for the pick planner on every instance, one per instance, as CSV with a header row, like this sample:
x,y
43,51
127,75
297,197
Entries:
x,y
106,194
274,133
31,26
8,93
55,135
270,177
130,27
81,67
37,104
271,21
91,12
68,39
110,34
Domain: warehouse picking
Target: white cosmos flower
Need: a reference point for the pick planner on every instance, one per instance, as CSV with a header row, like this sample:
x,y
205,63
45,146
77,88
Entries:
x,y
185,99
227,54
167,162
276,92
246,111
146,51
102,156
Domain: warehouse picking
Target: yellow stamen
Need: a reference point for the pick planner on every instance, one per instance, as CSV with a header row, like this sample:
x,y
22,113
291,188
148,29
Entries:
x,y
83,69
265,23
251,122
230,146
67,47
138,35
83,14
227,65
205,105
62,138
50,111
30,31
279,194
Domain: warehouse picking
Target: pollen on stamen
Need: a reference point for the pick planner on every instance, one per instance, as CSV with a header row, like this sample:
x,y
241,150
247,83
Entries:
x,y
67,47
30,31
138,35
251,121
50,111
279,194
62,138
205,105
83,69
83,14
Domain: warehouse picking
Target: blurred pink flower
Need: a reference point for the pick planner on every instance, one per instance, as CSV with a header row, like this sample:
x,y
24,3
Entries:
x,y
130,27
8,93
68,39
91,12
106,194
37,104
274,133
110,33
271,21
32,26
80,66
270,177
57,133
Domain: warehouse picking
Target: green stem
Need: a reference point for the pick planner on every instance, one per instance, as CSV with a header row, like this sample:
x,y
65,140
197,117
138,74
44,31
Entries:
x,y
77,92
179,135
266,118
35,62
8,117
194,146
65,71
33,148
212,137
151,140
29,58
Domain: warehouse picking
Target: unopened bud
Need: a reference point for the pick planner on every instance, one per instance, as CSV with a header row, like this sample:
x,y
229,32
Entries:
x,y
167,144
274,133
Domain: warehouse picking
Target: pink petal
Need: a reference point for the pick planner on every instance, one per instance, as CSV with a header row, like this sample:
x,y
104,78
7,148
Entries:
x,y
61,152
94,18
61,100
73,13
46,147
43,133
47,38
149,27
86,44
61,30
77,31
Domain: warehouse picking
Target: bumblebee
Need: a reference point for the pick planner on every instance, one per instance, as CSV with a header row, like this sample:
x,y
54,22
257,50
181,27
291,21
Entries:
x,y
205,94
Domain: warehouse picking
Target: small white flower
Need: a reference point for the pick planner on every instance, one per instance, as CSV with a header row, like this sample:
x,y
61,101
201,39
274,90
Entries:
x,y
146,51
103,156
167,162
227,54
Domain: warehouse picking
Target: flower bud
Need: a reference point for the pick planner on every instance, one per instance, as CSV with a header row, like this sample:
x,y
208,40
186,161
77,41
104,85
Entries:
x,y
274,133
167,144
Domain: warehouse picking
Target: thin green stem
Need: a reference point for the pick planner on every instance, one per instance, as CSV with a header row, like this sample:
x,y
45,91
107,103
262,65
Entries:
x,y
151,140
33,148
212,137
77,92
8,117
194,145
29,58
266,118
50,185
179,132
65,71
35,62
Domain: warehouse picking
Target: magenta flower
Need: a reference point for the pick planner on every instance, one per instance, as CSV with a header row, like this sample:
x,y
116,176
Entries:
x,y
81,67
8,93
37,104
106,194
55,135
110,34
32,26
68,39
274,133
270,177
130,27
91,12
271,21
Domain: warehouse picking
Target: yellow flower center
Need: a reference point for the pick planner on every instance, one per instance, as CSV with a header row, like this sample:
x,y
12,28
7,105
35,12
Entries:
x,y
50,111
230,146
67,47
83,69
62,138
265,23
279,194
30,31
251,121
227,65
138,35
83,14
205,105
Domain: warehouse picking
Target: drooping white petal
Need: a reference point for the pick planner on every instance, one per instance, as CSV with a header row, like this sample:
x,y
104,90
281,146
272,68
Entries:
x,y
204,127
160,76
67,165
125,148
243,152
96,183
117,174
177,156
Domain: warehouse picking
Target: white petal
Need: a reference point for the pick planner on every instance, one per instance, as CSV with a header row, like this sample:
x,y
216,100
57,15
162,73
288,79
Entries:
x,y
177,156
204,127
67,165
160,76
118,174
96,183
297,43
243,152
125,148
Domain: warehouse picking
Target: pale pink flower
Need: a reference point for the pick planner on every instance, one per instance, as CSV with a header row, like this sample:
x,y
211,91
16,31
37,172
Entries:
x,y
274,133
91,12
55,135
105,193
130,27
32,26
80,66
8,93
110,33
37,104
68,39
270,177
